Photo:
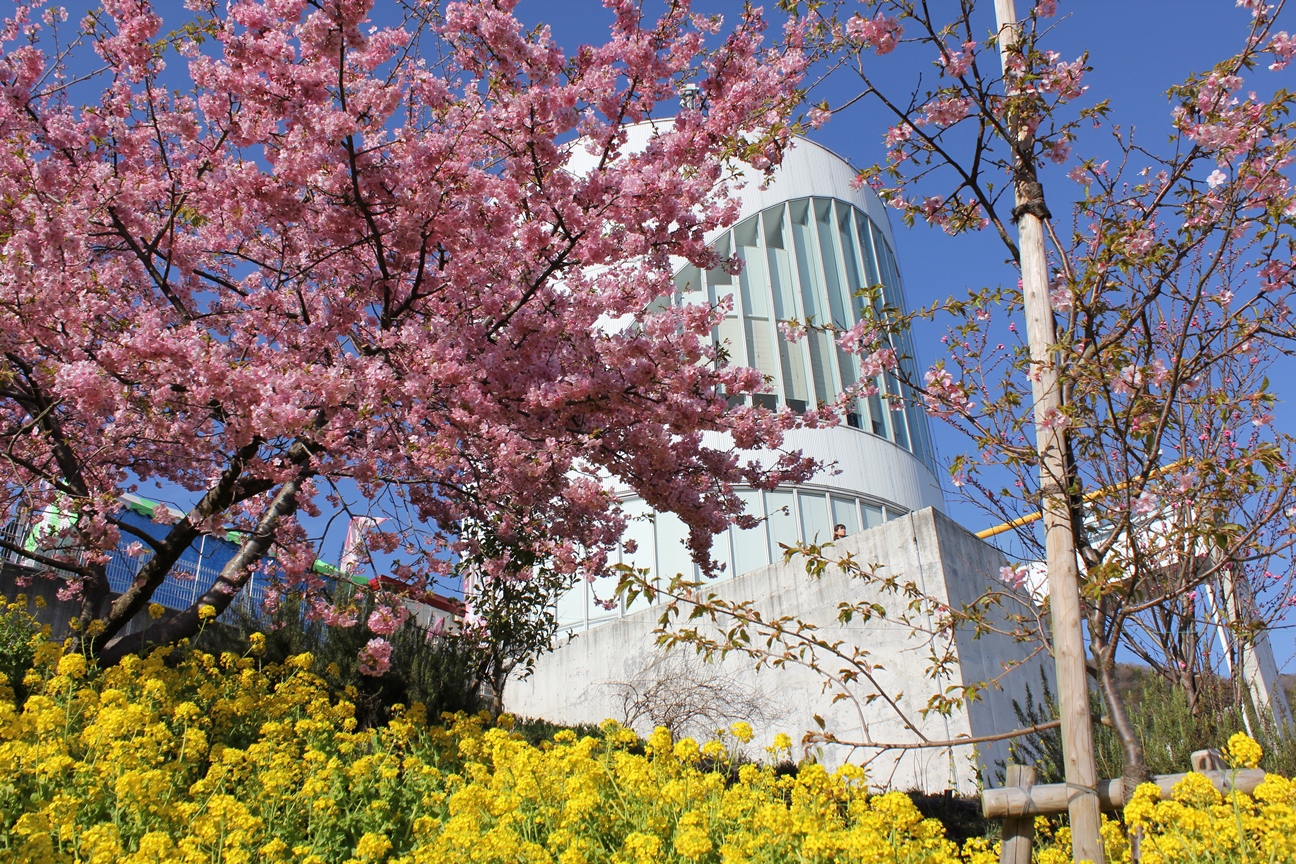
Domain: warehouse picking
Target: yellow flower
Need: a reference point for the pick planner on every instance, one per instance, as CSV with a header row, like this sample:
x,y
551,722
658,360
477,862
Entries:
x,y
742,730
72,665
692,841
206,612
687,751
1243,752
642,848
372,847
157,610
257,643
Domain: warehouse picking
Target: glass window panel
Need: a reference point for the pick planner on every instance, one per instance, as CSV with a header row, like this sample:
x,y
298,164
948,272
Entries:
x,y
754,282
794,377
571,608
896,409
688,283
602,590
781,507
729,337
872,516
672,552
915,433
751,547
894,513
840,301
890,275
760,346
877,415
639,533
821,352
773,222
815,526
815,297
782,281
864,230
719,276
806,250
845,511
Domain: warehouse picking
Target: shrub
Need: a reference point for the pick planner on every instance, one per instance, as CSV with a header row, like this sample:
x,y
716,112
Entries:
x,y
444,672
19,636
1168,728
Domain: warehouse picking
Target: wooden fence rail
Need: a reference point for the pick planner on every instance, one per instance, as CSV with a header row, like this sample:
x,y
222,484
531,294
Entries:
x,y
1019,802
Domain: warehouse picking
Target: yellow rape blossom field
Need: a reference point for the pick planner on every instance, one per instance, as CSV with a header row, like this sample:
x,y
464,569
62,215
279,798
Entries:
x,y
198,758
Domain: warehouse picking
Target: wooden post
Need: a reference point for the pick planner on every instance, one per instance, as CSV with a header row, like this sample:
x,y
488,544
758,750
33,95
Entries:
x,y
1207,760
1053,798
1059,543
1018,831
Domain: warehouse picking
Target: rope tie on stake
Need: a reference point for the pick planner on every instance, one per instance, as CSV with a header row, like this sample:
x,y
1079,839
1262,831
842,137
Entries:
x,y
1034,203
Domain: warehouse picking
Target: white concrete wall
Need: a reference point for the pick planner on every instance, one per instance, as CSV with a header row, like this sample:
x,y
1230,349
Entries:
x,y
579,681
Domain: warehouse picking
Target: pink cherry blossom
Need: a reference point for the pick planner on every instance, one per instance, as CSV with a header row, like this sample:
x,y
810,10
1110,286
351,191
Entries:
x,y
1145,504
1258,7
1054,419
70,590
375,657
386,620
945,111
944,398
1283,48
880,33
1013,576
958,63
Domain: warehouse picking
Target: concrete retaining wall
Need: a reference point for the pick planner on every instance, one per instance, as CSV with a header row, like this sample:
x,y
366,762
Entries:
x,y
587,678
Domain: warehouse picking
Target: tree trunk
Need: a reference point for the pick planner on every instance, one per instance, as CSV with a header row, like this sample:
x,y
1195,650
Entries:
x,y
1135,770
233,577
167,551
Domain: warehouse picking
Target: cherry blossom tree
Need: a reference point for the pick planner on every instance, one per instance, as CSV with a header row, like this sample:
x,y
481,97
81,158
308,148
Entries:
x,y
278,249
1170,299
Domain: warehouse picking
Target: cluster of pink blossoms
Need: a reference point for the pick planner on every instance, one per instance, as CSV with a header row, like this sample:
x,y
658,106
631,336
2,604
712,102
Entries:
x,y
945,111
944,398
1283,48
879,33
386,620
375,657
958,63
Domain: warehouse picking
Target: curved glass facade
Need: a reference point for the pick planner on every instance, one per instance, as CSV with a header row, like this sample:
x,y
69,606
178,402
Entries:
x,y
806,259
803,258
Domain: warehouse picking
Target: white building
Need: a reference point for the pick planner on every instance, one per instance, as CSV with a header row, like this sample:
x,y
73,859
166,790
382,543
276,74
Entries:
x,y
808,241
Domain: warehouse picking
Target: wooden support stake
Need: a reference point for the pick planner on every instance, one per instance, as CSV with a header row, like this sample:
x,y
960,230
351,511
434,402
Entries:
x,y
1079,764
1019,831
